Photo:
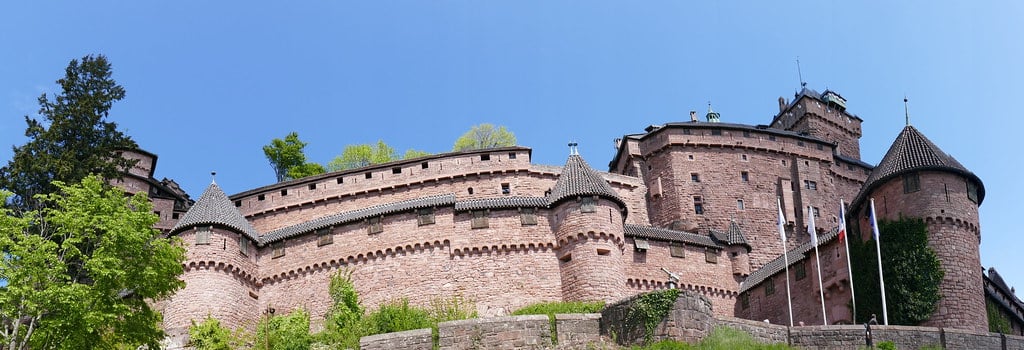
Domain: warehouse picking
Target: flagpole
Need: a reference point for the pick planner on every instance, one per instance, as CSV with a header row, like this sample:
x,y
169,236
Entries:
x,y
849,268
785,255
878,249
814,241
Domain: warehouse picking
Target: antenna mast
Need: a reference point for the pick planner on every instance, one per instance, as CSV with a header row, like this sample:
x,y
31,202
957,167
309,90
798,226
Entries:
x,y
799,73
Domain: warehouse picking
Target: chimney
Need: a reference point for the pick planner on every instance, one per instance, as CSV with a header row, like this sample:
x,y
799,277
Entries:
x,y
693,116
782,104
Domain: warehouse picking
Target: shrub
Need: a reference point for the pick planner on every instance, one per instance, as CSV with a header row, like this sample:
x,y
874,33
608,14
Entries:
x,y
397,316
287,332
210,335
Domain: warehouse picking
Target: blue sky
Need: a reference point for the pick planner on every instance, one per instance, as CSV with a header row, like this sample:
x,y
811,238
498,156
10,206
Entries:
x,y
209,83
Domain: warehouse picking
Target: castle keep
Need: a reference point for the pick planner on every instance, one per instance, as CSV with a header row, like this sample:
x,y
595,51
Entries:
x,y
691,205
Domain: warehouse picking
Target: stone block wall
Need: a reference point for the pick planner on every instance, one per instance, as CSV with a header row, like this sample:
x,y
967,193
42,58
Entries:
x,y
761,331
513,332
578,329
689,320
418,339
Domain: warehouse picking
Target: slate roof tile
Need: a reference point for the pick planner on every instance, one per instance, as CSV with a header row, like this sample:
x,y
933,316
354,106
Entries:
x,y
214,208
662,234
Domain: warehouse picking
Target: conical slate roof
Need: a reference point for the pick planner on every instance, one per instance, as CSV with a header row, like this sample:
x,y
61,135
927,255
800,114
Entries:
x,y
912,151
734,236
214,208
578,179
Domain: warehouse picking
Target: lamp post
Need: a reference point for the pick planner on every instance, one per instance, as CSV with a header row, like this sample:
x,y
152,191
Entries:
x,y
269,312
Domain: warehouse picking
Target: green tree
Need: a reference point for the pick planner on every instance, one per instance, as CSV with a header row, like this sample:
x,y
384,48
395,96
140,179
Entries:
x,y
210,335
287,332
356,156
912,273
287,159
484,136
413,153
343,324
85,280
74,137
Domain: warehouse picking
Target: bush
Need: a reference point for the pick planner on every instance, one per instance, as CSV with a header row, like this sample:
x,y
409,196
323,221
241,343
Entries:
x,y
288,332
398,316
210,335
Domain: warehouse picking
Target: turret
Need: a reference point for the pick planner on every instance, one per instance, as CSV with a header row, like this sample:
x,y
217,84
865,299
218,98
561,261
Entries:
x,y
220,266
588,221
916,179
737,248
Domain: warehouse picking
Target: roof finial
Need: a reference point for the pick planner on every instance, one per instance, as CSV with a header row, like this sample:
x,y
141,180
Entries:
x,y
712,116
906,109
573,150
213,177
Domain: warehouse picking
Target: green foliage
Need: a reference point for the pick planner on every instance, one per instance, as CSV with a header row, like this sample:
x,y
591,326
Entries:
x,y
561,307
357,156
912,273
997,322
484,136
287,332
84,277
210,335
73,140
343,324
397,316
288,160
886,345
413,153
452,309
649,309
723,338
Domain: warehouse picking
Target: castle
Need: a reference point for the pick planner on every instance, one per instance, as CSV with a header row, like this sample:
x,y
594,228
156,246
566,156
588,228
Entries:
x,y
690,205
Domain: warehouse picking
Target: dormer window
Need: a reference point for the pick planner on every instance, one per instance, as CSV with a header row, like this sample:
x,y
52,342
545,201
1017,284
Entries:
x,y
587,205
203,235
911,183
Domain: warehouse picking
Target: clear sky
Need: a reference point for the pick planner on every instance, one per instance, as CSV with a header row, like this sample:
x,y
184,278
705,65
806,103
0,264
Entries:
x,y
210,82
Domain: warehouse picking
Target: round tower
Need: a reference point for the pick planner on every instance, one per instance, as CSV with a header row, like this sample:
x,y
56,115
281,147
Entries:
x,y
220,267
916,179
587,217
737,248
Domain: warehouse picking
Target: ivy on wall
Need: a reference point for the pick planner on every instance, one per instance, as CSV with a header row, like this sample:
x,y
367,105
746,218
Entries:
x,y
912,273
649,309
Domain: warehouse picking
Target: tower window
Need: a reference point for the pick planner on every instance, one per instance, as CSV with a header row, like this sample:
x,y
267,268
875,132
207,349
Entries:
x,y
686,132
528,216
485,157
716,132
745,301
800,143
277,250
424,165
261,197
374,225
769,286
745,176
203,235
284,192
771,137
369,175
238,203
425,216
800,271
396,170
505,189
587,205
694,177
511,155
972,191
816,212
739,204
243,245
911,183
324,237
743,157
340,180
698,205
810,185
677,250
746,134
174,216
710,256
470,190
312,187
479,219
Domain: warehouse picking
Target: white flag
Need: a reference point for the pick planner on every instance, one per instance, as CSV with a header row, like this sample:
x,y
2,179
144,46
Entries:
x,y
782,227
810,226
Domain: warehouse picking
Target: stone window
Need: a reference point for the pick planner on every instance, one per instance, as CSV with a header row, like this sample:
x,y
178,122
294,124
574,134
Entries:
x,y
972,191
800,270
284,192
816,211
587,205
811,185
511,155
374,225
243,245
424,216
911,183
641,245
324,237
277,250
396,170
686,132
716,132
745,176
312,187
743,157
470,190
698,205
424,165
820,147
479,219
710,256
694,177
800,143
602,252
203,235
174,216
677,250
340,180
506,189
745,301
261,197
771,137
946,189
368,175
769,286
739,204
485,157
528,216
746,134
238,203
158,214
689,157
